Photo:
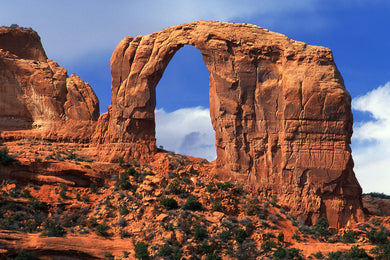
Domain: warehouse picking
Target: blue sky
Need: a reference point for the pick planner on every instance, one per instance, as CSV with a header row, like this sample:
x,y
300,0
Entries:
x,y
81,35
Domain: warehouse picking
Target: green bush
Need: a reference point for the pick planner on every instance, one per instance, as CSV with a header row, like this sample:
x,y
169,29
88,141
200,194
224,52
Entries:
x,y
381,251
169,203
175,187
318,255
141,251
240,235
23,255
281,237
217,206
193,204
200,233
268,245
53,229
5,158
335,255
166,250
357,253
36,204
226,235
224,185
348,237
280,253
123,210
101,230
321,227
213,257
377,237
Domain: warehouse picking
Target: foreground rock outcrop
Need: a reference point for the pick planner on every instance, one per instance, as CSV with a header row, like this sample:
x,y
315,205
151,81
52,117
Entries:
x,y
281,114
36,93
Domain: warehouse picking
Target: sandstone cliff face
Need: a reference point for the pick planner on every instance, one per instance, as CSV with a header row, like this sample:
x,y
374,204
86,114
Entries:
x,y
279,108
36,93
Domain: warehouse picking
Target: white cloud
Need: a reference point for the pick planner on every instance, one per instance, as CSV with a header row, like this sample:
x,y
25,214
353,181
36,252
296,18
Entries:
x,y
371,140
186,131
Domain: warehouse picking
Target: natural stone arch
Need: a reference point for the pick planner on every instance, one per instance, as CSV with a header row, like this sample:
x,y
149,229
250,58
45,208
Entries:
x,y
279,108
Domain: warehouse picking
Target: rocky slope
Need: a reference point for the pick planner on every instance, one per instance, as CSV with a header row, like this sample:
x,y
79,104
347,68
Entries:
x,y
57,202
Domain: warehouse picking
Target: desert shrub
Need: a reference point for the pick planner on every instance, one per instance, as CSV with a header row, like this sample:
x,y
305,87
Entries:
x,y
226,235
169,203
348,237
141,251
205,248
377,237
318,255
240,235
381,251
252,207
166,250
280,253
101,230
108,255
281,237
217,206
274,201
268,245
53,229
296,235
23,255
213,257
26,193
192,203
36,204
293,253
121,161
123,210
211,187
175,187
5,158
224,185
123,233
335,255
78,197
357,253
321,228
200,233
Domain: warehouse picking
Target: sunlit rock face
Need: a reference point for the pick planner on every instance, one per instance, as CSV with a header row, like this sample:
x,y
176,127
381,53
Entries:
x,y
281,114
279,108
36,93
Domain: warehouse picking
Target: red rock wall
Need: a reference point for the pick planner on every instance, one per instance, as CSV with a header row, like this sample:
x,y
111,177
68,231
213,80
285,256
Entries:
x,y
36,93
279,108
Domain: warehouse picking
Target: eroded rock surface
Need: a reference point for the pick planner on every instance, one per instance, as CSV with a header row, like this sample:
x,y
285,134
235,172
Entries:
x,y
281,114
36,93
279,108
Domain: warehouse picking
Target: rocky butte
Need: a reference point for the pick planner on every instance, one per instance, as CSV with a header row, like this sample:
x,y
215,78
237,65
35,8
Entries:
x,y
281,114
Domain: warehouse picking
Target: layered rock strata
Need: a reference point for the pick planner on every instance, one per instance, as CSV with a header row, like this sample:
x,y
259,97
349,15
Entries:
x,y
281,114
36,93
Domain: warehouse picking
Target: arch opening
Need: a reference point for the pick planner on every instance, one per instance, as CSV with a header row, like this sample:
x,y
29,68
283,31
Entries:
x,y
182,115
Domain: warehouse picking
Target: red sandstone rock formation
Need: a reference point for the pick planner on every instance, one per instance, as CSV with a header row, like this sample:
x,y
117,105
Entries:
x,y
279,108
36,93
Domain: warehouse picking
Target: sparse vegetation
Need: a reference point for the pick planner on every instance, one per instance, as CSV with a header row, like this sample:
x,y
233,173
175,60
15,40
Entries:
x,y
169,203
141,251
5,158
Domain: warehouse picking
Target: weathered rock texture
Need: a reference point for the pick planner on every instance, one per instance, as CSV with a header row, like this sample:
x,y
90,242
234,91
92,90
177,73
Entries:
x,y
36,93
279,108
